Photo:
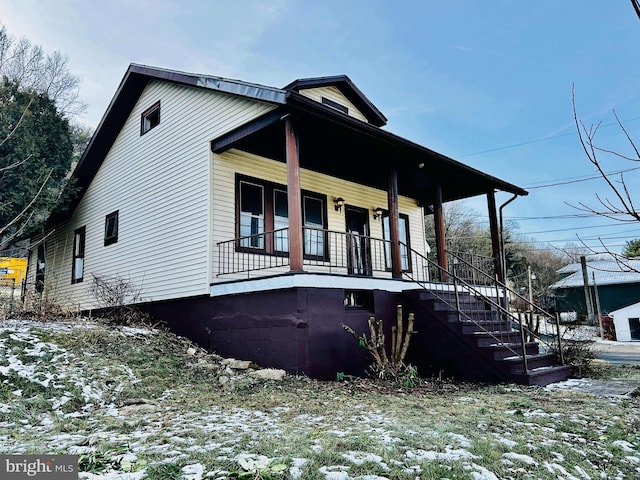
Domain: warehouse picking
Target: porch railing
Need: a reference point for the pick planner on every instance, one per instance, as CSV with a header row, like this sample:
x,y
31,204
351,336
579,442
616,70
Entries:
x,y
486,304
335,252
473,268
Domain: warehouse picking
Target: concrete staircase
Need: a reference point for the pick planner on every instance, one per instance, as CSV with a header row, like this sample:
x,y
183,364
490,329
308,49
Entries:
x,y
477,343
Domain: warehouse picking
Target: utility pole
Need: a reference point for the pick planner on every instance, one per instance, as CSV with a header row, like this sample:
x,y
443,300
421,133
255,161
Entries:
x,y
587,291
595,293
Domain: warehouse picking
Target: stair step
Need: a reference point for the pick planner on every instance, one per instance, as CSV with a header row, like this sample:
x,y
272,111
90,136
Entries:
x,y
487,339
543,376
516,366
505,350
470,327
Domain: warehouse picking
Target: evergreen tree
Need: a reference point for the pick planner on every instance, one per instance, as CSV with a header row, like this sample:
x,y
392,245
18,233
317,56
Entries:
x,y
35,157
632,249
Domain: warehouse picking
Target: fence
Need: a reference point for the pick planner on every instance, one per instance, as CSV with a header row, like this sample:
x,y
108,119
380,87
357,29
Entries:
x,y
11,296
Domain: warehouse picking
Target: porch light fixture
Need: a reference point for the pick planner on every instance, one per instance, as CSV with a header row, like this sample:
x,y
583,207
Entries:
x,y
377,213
339,202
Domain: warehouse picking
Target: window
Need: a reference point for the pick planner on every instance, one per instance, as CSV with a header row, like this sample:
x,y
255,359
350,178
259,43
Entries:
x,y
280,220
262,207
314,223
336,105
40,269
150,118
251,215
111,228
77,269
359,299
403,227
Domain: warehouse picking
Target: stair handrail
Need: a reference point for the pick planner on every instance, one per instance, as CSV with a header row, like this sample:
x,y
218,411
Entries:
x,y
532,307
457,282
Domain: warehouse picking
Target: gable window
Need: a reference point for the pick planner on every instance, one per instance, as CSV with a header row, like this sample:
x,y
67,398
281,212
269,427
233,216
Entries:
x,y
111,228
403,227
336,105
77,268
262,218
150,118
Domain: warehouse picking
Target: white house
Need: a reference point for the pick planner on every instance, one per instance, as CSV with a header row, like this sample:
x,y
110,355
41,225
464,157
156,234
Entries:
x,y
256,219
627,323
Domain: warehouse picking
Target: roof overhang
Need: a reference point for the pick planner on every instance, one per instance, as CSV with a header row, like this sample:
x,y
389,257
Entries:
x,y
340,146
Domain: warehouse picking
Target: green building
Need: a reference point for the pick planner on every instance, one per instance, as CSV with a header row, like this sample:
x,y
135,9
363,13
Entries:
x,y
617,286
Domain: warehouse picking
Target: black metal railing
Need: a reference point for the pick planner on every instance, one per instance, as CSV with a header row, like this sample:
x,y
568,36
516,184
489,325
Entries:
x,y
485,306
471,267
336,252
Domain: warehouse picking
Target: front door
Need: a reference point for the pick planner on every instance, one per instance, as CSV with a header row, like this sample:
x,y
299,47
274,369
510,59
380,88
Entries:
x,y
358,245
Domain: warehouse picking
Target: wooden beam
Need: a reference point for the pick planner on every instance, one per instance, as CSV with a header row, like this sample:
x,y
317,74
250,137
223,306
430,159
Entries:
x,y
394,224
496,247
441,244
294,197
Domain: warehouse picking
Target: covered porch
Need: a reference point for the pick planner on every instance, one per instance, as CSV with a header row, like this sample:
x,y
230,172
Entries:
x,y
307,136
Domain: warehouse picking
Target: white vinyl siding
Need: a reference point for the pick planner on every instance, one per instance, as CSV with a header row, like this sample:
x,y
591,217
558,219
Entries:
x,y
226,165
335,95
160,184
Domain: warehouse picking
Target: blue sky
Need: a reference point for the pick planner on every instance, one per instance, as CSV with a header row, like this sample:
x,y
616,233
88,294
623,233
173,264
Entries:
x,y
469,79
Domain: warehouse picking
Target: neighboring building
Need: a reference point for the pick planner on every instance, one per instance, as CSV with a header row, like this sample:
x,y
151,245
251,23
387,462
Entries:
x,y
12,271
627,322
256,219
617,286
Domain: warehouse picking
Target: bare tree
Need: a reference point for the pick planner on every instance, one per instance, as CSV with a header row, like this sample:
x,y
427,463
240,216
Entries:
x,y
29,65
619,205
464,232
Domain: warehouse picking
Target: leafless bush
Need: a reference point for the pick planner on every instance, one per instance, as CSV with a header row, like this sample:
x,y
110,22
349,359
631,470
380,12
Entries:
x,y
388,366
117,298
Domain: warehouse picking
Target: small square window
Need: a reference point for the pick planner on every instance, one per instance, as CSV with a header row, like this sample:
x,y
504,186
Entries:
x,y
150,118
359,299
111,228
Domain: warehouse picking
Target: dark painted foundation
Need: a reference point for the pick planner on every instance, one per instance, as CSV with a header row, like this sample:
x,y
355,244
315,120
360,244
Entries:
x,y
299,330
296,329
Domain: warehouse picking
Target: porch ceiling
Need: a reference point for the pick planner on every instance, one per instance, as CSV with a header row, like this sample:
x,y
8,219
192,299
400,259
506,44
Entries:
x,y
337,145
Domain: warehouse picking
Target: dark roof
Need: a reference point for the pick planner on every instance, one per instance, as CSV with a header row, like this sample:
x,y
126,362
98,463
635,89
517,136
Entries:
x,y
348,89
359,149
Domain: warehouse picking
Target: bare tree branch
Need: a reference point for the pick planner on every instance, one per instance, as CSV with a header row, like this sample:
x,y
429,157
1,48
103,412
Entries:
x,y
636,6
26,209
13,130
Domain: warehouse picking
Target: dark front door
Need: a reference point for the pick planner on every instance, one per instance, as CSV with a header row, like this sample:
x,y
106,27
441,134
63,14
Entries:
x,y
358,246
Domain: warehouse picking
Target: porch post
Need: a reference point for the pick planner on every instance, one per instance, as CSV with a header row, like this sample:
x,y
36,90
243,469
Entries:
x,y
496,246
441,246
394,224
294,199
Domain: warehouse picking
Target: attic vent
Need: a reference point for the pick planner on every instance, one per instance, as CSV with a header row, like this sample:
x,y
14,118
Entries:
x,y
336,105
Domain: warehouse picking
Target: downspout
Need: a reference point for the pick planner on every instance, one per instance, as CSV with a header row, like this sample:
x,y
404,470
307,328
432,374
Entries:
x,y
504,257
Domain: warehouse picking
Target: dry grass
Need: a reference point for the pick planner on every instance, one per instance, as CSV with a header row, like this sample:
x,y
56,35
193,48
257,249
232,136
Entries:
x,y
132,400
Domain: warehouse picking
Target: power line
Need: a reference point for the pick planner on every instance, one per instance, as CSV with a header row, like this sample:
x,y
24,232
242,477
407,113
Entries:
x,y
595,177
514,145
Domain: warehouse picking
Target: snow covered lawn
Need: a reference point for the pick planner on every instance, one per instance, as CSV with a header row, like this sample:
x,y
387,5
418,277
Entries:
x,y
136,403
